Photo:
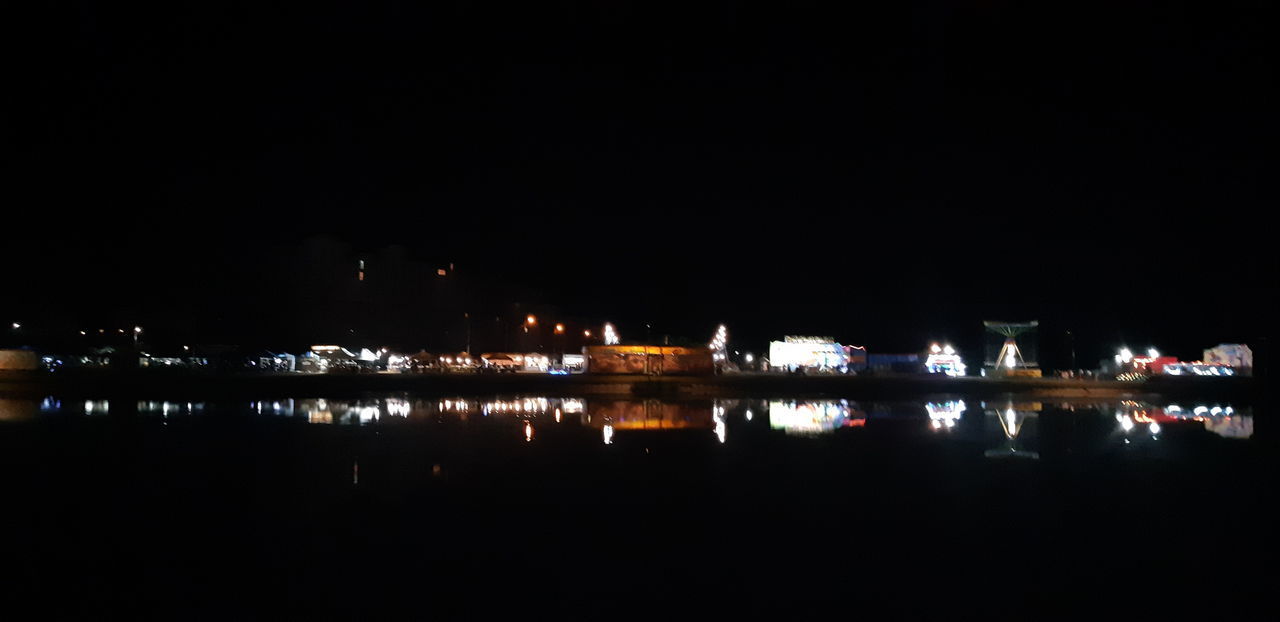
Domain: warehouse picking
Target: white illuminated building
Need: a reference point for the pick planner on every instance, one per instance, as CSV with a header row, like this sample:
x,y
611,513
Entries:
x,y
944,360
807,352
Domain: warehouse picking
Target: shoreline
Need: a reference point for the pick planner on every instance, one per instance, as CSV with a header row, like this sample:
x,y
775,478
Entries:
x,y
184,385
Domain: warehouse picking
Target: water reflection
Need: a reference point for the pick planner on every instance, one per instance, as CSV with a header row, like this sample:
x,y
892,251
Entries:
x,y
623,415
810,418
17,410
163,408
944,415
1222,420
1013,418
1011,423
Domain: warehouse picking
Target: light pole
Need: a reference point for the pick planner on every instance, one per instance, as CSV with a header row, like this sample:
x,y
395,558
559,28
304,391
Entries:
x,y
137,330
531,321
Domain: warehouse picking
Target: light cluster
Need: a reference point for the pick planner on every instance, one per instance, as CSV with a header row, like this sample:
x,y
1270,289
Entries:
x,y
719,342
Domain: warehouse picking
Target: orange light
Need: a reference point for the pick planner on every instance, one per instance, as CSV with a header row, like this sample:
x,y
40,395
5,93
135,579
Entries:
x,y
559,329
531,320
586,333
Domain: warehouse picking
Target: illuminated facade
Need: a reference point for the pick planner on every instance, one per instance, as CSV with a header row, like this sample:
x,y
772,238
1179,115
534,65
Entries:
x,y
820,353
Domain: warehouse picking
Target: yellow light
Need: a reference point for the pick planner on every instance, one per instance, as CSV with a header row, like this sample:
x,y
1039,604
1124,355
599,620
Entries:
x,y
586,333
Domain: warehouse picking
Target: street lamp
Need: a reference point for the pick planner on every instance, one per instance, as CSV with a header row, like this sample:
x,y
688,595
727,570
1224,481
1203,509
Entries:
x,y
137,330
558,336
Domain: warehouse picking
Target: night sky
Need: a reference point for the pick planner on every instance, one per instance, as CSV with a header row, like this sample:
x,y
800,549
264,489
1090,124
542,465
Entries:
x,y
887,175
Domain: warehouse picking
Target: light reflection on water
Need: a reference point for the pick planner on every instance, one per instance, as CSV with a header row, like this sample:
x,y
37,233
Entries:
x,y
809,418
1013,418
1135,420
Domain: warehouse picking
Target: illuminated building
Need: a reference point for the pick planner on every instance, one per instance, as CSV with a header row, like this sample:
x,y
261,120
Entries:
x,y
944,360
1235,355
816,353
648,360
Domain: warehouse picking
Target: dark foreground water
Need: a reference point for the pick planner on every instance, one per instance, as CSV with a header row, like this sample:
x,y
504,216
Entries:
x,y
602,507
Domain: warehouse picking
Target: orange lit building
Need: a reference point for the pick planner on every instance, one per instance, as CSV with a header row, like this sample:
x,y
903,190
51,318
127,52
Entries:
x,y
648,360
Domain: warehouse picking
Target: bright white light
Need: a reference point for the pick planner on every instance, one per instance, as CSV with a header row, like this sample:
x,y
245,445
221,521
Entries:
x,y
750,358
1153,353
935,348
1011,418
610,335
1010,361
528,431
608,435
137,329
720,339
16,326
948,350
1125,355
749,414
1126,423
1154,428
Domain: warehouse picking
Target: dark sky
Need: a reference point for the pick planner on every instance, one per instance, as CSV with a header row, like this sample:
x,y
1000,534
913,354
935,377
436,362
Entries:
x,y
886,175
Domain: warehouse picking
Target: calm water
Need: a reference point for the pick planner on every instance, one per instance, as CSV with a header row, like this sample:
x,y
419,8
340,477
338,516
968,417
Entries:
x,y
463,505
